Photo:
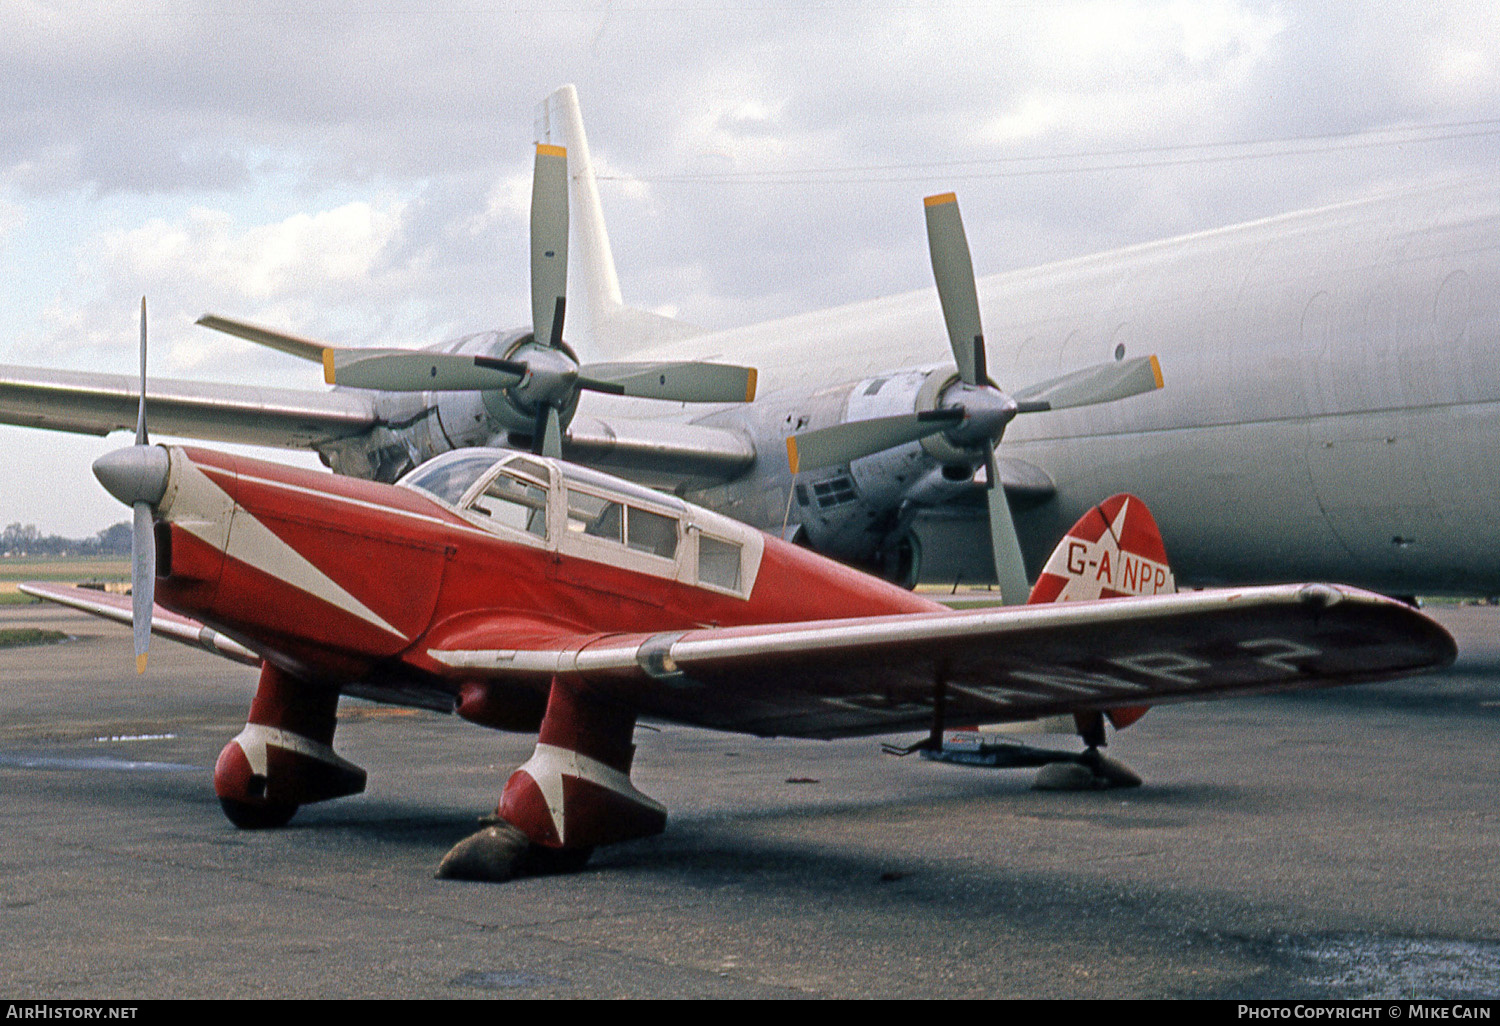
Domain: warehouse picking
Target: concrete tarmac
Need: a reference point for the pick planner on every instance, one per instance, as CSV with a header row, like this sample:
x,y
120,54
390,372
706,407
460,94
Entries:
x,y
1332,844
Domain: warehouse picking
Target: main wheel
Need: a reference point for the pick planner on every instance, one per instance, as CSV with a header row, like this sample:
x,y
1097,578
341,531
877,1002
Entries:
x,y
257,815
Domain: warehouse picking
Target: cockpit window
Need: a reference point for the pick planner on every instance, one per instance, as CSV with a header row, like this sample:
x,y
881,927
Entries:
x,y
651,532
448,479
595,516
718,562
612,520
513,502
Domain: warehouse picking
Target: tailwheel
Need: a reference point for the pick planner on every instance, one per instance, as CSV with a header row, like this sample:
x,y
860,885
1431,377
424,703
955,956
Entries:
x,y
258,815
501,852
494,854
1087,772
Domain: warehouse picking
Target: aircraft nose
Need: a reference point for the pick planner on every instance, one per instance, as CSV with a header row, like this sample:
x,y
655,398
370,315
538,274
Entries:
x,y
134,474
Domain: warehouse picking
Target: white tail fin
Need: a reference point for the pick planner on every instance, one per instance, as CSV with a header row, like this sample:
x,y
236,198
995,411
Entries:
x,y
617,330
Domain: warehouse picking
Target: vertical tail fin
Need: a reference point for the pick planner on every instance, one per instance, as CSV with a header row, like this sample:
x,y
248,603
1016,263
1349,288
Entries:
x,y
1114,550
617,330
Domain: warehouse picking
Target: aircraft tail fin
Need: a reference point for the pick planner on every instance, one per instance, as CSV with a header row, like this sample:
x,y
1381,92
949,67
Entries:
x,y
617,330
1113,551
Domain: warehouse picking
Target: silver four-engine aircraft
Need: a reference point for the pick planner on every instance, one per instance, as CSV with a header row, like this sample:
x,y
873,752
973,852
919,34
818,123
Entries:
x,y
1311,396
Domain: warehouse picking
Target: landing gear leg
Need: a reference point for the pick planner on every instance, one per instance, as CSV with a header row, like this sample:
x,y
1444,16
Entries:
x,y
284,757
572,795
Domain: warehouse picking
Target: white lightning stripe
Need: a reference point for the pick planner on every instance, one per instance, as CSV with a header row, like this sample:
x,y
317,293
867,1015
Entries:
x,y
241,536
363,503
255,737
549,764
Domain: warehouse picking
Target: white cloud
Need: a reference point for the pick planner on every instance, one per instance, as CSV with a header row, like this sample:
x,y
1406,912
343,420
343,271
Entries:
x,y
304,255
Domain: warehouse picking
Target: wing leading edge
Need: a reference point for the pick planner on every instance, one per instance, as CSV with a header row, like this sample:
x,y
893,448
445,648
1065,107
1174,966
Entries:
x,y
97,404
879,674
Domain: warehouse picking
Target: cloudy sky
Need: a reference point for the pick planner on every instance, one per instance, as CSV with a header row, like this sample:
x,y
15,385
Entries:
x,y
359,171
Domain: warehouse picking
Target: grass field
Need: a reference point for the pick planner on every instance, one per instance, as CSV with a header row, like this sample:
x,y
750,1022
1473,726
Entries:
x,y
77,570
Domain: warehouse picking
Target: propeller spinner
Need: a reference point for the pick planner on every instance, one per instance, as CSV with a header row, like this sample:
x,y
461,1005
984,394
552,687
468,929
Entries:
x,y
972,413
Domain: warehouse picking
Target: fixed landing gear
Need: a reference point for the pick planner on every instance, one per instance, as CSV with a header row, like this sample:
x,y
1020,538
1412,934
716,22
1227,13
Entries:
x,y
571,796
284,757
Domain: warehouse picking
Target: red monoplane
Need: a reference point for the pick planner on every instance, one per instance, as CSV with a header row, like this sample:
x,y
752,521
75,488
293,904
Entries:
x,y
528,594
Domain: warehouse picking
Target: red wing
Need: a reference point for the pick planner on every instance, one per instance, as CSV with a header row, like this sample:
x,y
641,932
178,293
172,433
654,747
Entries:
x,y
876,674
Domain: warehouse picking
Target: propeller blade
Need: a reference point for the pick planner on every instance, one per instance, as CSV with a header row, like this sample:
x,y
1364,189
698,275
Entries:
x,y
682,382
140,412
1101,383
143,537
548,438
302,348
549,243
1010,568
841,443
953,270
405,370
142,581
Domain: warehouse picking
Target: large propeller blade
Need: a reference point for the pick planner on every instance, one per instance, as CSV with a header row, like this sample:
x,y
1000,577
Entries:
x,y
953,270
972,414
549,244
137,476
831,446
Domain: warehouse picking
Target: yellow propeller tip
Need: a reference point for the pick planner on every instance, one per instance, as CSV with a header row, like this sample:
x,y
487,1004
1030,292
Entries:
x,y
140,663
791,453
940,199
547,150
328,366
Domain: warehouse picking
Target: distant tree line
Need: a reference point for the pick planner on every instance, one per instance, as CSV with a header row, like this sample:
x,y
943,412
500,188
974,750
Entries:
x,y
26,540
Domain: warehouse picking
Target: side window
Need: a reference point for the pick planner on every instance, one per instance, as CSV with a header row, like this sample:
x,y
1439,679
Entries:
x,y
651,532
596,517
718,563
514,503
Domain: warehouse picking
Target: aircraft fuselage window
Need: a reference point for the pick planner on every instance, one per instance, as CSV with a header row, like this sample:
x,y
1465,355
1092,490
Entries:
x,y
651,532
718,563
449,479
514,503
595,516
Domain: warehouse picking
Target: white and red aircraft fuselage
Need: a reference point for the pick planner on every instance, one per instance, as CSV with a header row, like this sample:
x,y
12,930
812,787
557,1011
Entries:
x,y
525,593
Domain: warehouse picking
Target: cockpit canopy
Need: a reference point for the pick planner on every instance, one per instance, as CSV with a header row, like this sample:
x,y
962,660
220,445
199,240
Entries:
x,y
581,512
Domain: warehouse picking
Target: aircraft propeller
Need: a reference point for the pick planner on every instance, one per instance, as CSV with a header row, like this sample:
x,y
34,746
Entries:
x,y
137,476
973,412
542,376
